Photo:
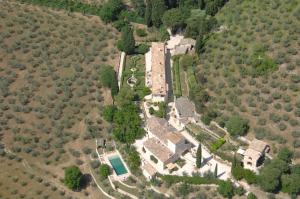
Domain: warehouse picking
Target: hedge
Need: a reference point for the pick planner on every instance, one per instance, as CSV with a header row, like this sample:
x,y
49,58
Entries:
x,y
196,180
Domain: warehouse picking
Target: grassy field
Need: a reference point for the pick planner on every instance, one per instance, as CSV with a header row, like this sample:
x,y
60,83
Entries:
x,y
50,96
270,102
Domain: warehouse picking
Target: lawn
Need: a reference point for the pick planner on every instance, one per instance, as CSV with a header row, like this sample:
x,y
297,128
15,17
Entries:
x,y
176,78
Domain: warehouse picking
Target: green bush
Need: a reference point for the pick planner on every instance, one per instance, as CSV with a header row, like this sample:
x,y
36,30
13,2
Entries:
x,y
72,177
237,126
141,32
142,48
104,171
251,196
173,179
217,144
226,189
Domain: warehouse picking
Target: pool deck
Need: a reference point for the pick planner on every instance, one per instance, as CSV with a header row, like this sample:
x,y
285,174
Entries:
x,y
114,175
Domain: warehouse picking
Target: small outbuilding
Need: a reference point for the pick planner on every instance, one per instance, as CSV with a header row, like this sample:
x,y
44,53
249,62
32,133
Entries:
x,y
254,155
100,142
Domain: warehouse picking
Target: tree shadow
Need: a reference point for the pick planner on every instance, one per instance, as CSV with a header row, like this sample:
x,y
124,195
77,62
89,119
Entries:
x,y
85,181
206,160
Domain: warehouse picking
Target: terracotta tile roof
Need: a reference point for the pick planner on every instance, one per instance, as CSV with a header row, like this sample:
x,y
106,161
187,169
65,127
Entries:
x,y
158,68
158,149
150,169
175,137
160,128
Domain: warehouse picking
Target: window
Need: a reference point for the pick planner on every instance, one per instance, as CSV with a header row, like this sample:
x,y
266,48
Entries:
x,y
153,159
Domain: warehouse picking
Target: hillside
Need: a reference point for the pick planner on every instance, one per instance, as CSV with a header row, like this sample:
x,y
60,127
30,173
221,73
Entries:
x,y
49,70
267,94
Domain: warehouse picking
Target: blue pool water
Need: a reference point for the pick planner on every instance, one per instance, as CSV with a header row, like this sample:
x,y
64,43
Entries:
x,y
117,164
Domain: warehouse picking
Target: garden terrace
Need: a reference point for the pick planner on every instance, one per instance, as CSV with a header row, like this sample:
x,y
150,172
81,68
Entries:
x,y
136,62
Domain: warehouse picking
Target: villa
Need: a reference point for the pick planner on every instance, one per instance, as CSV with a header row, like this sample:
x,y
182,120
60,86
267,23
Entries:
x,y
156,72
185,111
164,144
253,156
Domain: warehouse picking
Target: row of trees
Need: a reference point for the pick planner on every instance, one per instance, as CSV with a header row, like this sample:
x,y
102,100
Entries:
x,y
108,79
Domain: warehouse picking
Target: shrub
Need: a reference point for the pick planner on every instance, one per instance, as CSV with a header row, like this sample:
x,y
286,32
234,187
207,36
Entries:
x,y
104,171
239,191
72,177
142,48
217,144
173,179
141,32
237,126
226,189
251,196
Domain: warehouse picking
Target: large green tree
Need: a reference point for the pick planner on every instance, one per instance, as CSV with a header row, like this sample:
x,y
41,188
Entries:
x,y
269,179
199,156
72,177
237,126
158,9
291,183
111,10
108,79
285,154
211,8
200,25
173,19
127,122
127,42
108,112
139,6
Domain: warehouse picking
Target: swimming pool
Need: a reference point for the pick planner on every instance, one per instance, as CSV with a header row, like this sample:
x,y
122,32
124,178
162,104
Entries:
x,y
117,164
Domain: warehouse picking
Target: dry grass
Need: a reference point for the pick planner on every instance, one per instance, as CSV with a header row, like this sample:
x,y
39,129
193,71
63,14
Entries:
x,y
251,23
50,97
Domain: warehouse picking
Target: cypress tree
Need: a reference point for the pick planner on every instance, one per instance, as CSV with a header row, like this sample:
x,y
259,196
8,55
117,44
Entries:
x,y
201,4
199,156
216,171
199,47
158,9
127,39
148,13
